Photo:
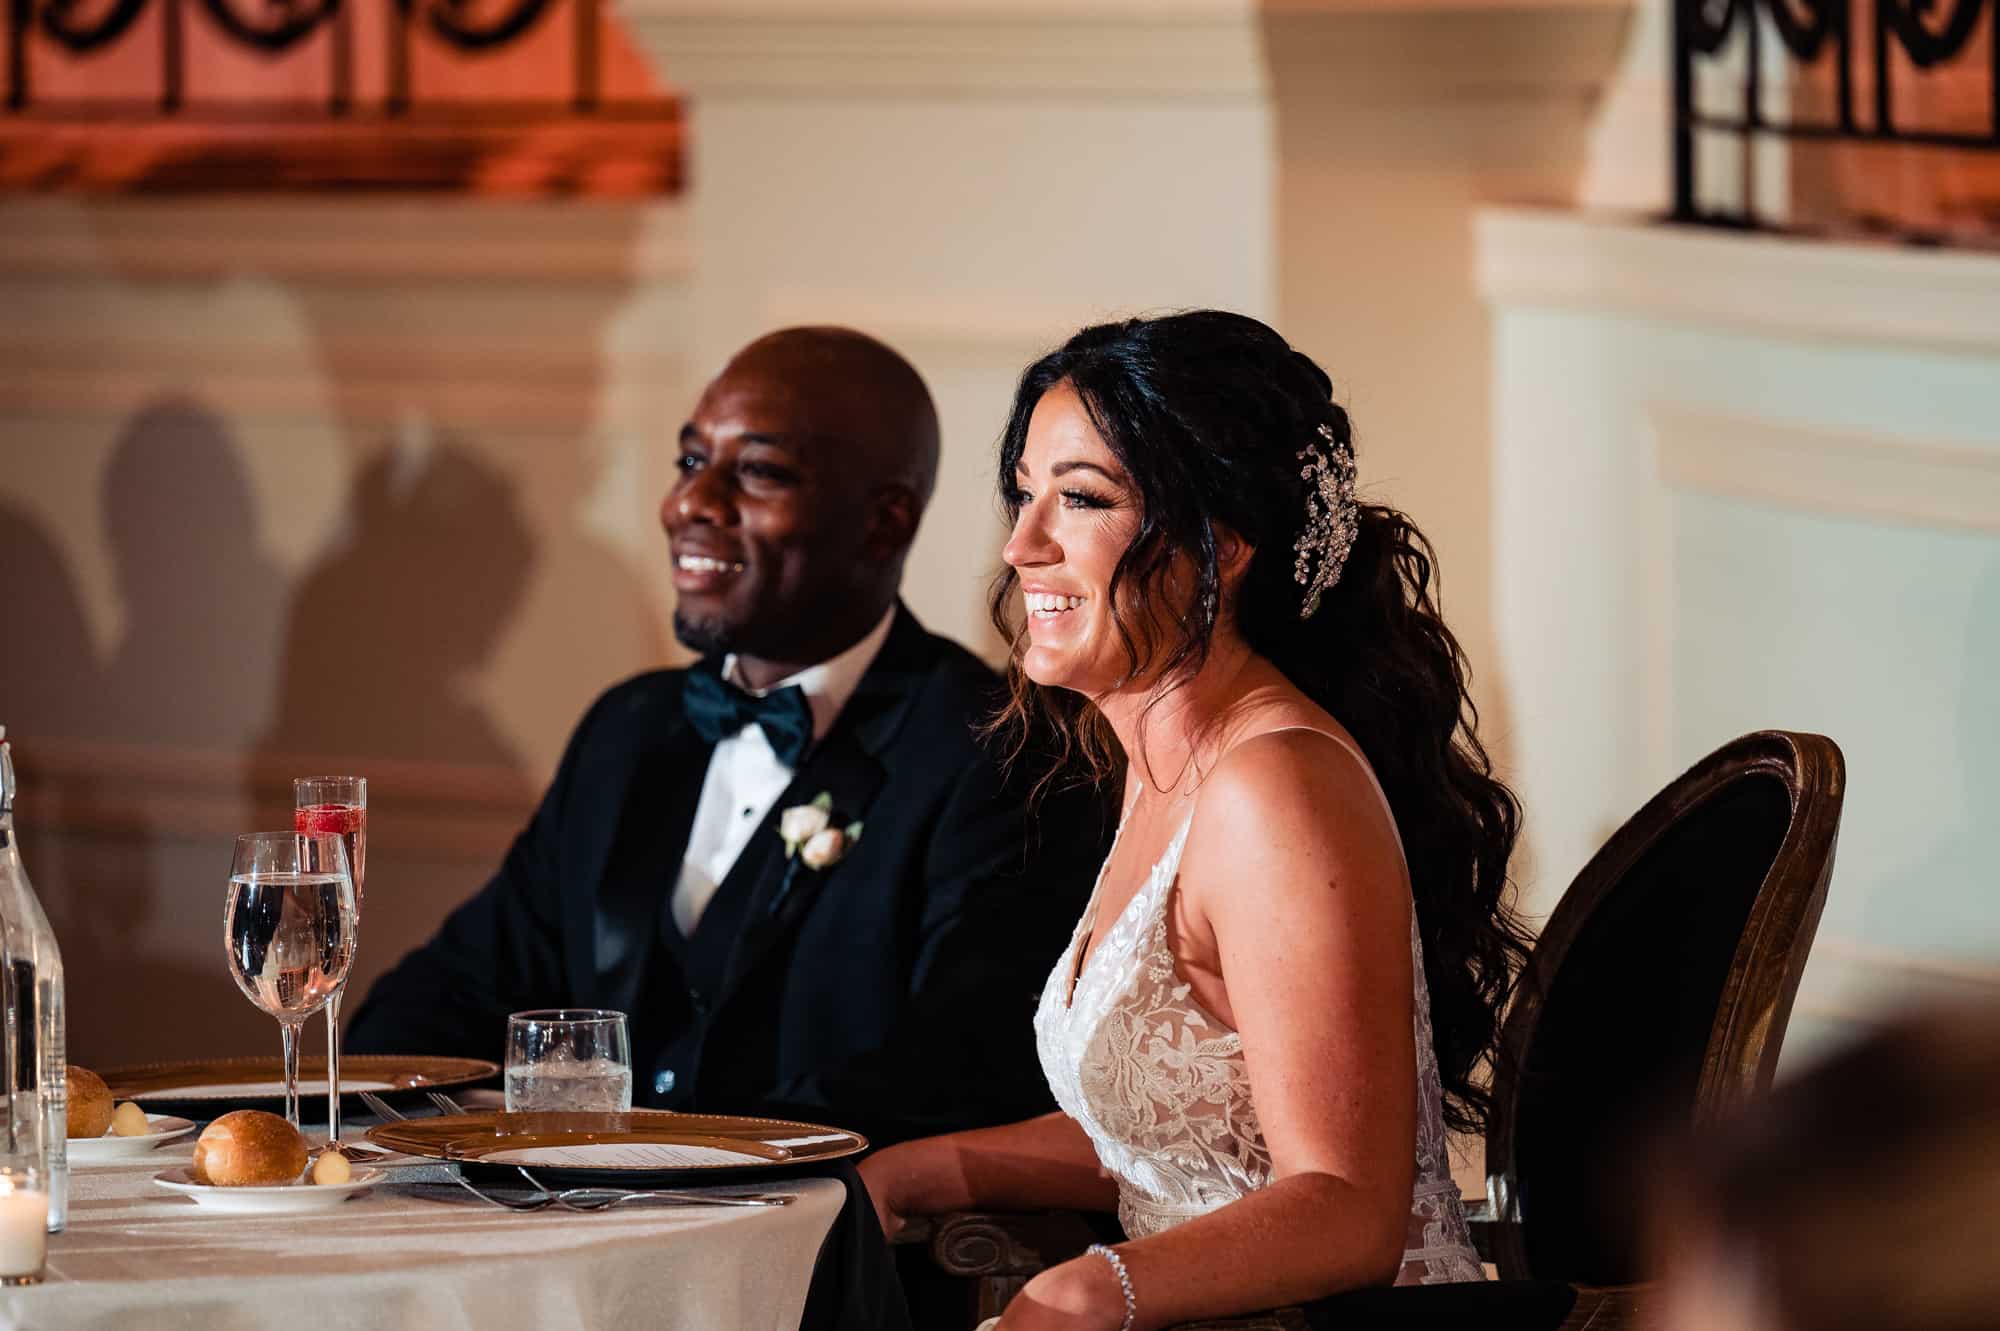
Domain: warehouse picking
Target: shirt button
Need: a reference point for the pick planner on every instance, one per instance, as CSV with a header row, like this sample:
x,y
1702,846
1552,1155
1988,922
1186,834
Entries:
x,y
663,1081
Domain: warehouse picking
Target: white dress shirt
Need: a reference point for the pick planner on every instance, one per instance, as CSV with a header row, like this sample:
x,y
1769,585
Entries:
x,y
745,777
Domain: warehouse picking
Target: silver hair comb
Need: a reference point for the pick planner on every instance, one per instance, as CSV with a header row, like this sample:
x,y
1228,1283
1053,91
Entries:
x,y
1332,518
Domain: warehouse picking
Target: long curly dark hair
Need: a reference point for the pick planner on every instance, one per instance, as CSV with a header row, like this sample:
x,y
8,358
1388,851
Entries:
x,y
1206,413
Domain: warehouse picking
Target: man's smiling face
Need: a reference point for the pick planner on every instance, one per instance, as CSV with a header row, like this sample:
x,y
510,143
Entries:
x,y
758,520
799,481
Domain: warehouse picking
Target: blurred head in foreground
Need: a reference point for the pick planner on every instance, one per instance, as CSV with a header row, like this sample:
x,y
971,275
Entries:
x,y
1863,1194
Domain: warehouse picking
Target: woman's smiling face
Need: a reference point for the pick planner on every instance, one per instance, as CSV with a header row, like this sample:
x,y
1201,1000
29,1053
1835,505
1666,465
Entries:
x,y
1075,513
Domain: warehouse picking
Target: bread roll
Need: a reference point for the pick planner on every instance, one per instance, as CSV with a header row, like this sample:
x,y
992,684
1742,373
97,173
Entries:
x,y
248,1148
89,1102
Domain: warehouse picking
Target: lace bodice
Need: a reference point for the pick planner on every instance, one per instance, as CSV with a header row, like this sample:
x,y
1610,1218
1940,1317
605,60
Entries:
x,y
1161,1087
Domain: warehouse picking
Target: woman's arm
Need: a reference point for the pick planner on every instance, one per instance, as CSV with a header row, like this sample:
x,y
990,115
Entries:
x,y
1039,1164
1294,886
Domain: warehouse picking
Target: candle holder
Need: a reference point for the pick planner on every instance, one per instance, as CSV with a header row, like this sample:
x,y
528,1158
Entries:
x,y
24,1220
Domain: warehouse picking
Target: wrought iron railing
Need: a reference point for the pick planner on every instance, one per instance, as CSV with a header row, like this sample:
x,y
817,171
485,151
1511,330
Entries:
x,y
397,94
1827,42
277,28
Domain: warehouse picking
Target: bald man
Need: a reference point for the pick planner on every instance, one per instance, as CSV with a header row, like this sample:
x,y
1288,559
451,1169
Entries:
x,y
794,864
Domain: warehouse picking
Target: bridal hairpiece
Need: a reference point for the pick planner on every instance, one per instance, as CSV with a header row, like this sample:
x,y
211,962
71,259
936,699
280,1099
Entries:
x,y
1332,517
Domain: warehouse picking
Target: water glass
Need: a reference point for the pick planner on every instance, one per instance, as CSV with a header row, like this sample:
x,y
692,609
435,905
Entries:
x,y
574,1059
288,924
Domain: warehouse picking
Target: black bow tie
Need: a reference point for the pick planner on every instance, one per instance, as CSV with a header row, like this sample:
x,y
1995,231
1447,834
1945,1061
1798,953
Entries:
x,y
718,709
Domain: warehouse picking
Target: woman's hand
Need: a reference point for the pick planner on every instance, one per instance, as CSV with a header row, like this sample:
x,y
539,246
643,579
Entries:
x,y
1080,1295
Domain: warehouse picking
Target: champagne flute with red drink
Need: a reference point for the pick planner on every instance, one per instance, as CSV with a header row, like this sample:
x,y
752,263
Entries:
x,y
337,805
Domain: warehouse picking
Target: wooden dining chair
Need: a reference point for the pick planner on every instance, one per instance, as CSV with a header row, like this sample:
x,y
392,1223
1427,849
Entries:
x,y
1656,996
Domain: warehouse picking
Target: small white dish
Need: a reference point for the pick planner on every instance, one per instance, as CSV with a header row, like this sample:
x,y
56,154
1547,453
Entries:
x,y
110,1149
277,1199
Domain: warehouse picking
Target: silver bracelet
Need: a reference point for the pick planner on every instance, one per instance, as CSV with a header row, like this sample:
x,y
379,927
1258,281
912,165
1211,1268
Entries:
x,y
1124,1283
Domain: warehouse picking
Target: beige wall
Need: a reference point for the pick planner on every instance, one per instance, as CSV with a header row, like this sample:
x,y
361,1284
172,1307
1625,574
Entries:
x,y
369,484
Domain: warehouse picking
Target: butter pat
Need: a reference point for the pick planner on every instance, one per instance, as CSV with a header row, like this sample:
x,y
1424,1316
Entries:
x,y
331,1168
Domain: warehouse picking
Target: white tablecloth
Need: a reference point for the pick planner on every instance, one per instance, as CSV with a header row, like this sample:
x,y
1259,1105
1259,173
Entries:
x,y
416,1255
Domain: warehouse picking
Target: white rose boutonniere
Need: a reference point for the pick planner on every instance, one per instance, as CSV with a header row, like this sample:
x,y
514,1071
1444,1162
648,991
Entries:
x,y
809,833
825,848
800,824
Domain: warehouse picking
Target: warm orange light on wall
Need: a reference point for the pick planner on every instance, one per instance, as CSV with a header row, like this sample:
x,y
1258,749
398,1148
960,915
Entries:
x,y
487,96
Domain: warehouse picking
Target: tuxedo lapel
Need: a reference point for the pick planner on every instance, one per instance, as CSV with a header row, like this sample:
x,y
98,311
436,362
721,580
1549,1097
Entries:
x,y
644,863
779,890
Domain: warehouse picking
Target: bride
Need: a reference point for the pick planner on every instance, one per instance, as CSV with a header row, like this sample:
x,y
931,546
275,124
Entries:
x,y
1297,950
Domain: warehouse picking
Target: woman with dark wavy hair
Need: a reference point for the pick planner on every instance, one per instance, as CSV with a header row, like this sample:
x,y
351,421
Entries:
x,y
1293,966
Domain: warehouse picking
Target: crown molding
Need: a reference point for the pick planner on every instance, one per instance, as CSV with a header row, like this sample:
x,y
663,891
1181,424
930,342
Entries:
x,y
1123,49
341,238
1100,48
1808,289
1844,472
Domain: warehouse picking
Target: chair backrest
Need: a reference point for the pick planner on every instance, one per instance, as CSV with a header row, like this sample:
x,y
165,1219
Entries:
x,y
1657,995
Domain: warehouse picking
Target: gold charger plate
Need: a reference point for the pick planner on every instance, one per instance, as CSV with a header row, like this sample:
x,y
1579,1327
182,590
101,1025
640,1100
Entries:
x,y
206,1087
654,1143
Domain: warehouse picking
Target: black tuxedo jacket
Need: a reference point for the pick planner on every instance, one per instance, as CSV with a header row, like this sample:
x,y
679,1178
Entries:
x,y
892,992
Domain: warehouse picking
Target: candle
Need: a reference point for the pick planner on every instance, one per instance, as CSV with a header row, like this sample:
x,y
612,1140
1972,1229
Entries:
x,y
24,1222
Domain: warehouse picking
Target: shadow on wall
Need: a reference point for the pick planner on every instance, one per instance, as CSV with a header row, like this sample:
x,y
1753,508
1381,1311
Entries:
x,y
201,595
48,665
387,632
194,660
130,806
441,644
124,851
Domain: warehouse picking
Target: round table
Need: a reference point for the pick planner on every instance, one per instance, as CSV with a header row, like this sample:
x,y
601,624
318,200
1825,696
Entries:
x,y
417,1251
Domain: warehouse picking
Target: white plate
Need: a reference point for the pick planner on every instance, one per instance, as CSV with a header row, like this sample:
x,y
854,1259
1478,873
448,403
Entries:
x,y
280,1199
109,1149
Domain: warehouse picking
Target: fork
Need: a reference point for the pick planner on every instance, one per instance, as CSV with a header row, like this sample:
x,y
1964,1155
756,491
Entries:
x,y
381,1108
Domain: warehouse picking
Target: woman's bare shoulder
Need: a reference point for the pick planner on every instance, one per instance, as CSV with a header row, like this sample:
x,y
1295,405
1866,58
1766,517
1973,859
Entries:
x,y
1291,839
1309,767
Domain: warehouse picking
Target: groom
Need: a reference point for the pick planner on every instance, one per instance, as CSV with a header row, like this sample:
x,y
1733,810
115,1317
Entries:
x,y
794,864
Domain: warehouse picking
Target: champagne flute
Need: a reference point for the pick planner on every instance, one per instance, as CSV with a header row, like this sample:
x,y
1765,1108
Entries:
x,y
339,805
289,928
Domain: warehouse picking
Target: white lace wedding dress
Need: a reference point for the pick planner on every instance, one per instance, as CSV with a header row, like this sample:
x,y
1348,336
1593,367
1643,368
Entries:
x,y
1161,1088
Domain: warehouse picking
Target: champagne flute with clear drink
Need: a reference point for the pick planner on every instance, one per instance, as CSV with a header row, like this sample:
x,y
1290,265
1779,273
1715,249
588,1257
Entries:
x,y
338,805
289,928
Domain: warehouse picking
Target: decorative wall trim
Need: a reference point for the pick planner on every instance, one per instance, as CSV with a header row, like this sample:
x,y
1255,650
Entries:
x,y
1813,289
1116,49
1849,473
339,238
1102,50
1852,982
112,790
